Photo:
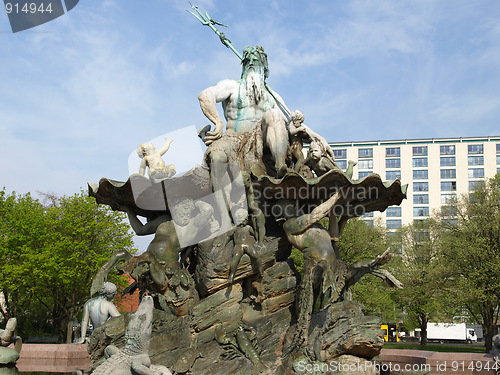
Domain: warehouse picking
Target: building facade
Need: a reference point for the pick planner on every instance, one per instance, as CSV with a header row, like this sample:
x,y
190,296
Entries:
x,y
434,169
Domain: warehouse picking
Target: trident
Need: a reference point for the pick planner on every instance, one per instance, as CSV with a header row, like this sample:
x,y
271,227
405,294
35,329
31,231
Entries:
x,y
206,20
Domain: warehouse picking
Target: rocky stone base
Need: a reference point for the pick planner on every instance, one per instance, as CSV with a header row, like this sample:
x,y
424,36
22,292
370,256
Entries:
x,y
243,328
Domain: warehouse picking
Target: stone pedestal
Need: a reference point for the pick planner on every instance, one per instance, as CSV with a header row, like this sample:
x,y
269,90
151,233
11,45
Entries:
x,y
53,357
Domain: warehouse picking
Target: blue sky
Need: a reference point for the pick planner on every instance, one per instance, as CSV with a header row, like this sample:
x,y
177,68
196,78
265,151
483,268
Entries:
x,y
80,93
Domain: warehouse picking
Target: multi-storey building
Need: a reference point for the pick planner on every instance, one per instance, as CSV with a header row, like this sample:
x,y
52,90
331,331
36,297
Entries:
x,y
434,169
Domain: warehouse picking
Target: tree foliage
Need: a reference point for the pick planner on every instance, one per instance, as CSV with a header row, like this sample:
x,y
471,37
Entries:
x,y
49,254
471,245
362,241
422,274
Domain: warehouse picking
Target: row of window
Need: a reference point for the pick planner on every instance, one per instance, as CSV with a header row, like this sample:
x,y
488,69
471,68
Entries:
x,y
450,150
393,163
443,150
475,149
476,160
420,174
392,175
365,164
392,212
395,152
418,212
421,199
445,186
473,173
424,198
393,223
395,212
420,162
450,161
471,149
447,150
448,173
476,172
474,184
449,186
423,174
340,153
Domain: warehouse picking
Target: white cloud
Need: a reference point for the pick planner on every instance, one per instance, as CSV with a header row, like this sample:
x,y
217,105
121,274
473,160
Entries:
x,y
465,109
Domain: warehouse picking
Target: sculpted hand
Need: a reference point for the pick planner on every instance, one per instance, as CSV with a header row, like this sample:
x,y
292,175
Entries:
x,y
212,136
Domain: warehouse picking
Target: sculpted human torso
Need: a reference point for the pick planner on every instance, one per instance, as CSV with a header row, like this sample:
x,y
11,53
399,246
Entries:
x,y
242,111
97,315
100,309
154,161
243,236
241,115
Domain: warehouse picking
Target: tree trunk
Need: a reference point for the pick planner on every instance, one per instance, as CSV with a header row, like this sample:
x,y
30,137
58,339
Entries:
x,y
69,332
423,327
58,322
71,318
488,314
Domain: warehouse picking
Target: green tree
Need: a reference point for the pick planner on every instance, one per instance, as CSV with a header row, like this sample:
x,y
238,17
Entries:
x,y
50,253
362,241
472,247
22,231
421,274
